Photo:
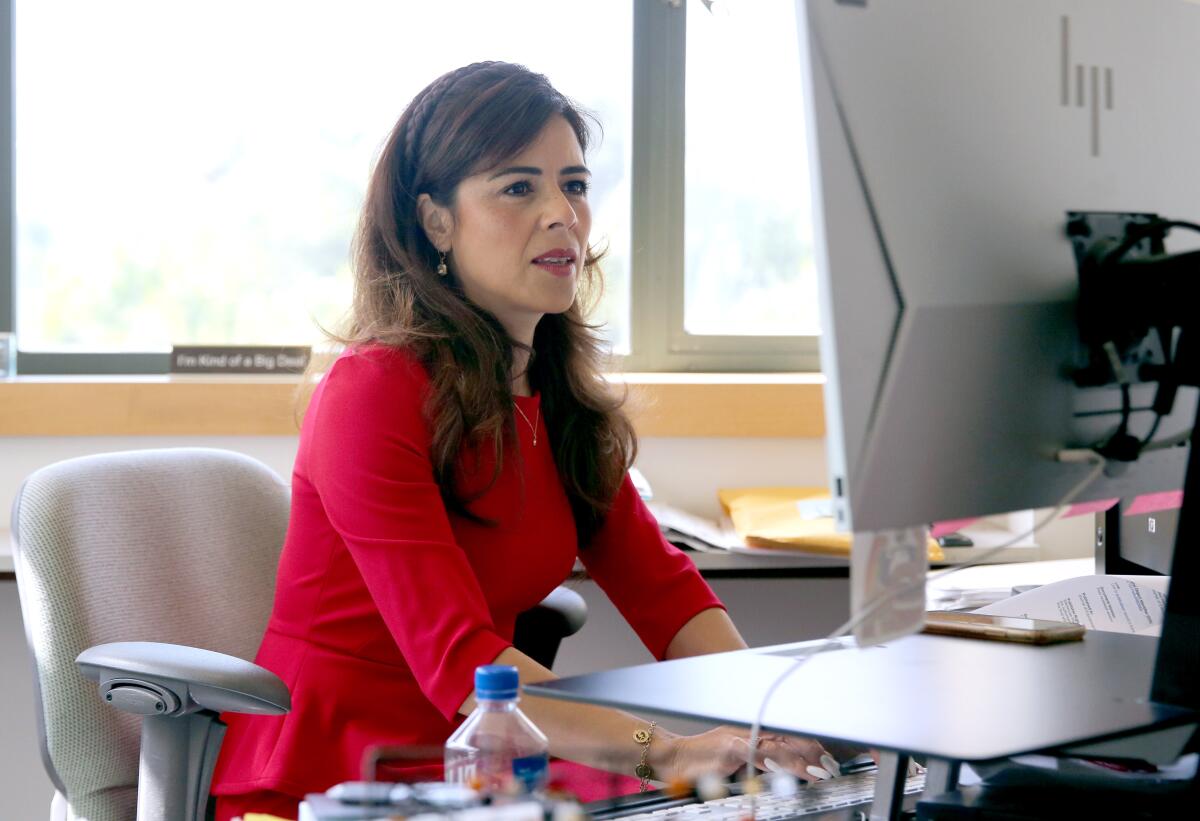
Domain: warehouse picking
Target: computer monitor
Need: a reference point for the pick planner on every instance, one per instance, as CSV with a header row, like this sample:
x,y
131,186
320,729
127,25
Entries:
x,y
950,138
1129,543
949,142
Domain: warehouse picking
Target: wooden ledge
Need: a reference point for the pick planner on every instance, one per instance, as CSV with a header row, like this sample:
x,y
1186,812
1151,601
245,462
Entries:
x,y
671,405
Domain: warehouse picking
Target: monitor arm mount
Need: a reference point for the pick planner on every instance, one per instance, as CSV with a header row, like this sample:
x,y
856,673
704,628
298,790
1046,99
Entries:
x,y
1136,307
1134,296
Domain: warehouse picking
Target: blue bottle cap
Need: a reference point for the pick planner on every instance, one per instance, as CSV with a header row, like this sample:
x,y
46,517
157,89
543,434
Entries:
x,y
496,682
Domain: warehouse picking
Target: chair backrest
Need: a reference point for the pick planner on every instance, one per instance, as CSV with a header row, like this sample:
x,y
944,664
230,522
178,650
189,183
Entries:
x,y
178,545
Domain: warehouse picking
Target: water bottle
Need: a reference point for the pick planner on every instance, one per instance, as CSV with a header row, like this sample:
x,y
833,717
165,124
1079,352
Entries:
x,y
497,750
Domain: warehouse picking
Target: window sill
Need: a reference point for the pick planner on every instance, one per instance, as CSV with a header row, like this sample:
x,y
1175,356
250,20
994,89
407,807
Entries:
x,y
661,404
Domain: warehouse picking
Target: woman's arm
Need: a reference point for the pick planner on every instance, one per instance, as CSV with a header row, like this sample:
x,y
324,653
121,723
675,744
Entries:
x,y
597,736
603,737
681,617
709,631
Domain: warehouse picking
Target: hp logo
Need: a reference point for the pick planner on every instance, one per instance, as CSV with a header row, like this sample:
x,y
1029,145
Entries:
x,y
1084,86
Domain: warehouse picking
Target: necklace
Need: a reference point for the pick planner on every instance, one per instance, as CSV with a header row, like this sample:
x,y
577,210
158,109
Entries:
x,y
532,425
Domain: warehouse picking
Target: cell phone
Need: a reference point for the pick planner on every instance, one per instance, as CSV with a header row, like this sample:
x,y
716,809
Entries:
x,y
1001,628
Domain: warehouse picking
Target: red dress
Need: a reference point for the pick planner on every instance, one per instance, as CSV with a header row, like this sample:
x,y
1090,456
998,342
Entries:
x,y
385,604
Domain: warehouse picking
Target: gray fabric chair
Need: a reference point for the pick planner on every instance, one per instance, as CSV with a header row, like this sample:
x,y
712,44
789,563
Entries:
x,y
166,559
152,572
540,630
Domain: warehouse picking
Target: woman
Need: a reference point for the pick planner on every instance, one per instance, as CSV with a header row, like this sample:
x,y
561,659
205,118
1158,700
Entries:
x,y
455,461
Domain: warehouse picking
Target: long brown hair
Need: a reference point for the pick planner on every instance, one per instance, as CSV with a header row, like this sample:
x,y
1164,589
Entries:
x,y
466,121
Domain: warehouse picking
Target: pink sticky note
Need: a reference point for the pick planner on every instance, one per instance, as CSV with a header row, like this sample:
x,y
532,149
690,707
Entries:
x,y
1153,502
1089,507
940,529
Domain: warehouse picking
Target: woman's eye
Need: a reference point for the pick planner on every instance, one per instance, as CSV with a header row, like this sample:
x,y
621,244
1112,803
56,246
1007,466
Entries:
x,y
577,187
518,188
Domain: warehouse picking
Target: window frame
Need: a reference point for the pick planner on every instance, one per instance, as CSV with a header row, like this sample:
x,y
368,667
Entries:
x,y
657,213
8,282
658,338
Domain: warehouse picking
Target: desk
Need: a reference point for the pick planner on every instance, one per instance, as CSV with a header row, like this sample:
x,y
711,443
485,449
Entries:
x,y
921,694
772,599
725,565
711,565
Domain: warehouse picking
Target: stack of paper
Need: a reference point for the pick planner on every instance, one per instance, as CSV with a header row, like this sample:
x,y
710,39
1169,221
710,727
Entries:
x,y
696,532
1120,604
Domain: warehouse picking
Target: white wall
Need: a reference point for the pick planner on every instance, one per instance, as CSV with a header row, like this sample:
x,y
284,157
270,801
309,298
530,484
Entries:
x,y
21,455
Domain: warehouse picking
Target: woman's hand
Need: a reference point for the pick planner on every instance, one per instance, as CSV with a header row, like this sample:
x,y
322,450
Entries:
x,y
724,750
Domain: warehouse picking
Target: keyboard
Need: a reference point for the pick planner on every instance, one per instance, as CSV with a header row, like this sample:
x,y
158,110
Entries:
x,y
818,797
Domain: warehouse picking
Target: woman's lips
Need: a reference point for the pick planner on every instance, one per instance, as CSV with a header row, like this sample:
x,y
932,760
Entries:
x,y
558,269
558,261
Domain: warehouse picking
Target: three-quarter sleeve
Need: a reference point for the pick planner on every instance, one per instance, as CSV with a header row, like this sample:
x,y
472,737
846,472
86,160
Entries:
x,y
369,460
654,585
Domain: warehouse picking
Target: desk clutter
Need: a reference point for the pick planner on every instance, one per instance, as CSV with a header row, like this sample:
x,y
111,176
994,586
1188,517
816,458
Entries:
x,y
364,800
773,799
791,518
497,769
1117,604
765,520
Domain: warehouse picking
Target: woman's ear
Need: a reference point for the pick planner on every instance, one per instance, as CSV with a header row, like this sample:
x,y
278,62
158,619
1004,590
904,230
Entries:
x,y
437,220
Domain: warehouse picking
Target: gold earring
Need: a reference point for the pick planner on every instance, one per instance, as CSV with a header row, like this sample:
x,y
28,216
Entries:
x,y
442,270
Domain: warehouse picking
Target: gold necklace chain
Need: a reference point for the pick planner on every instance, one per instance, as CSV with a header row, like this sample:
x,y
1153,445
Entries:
x,y
532,425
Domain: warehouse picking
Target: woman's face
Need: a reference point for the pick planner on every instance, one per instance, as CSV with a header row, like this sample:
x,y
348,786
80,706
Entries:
x,y
519,232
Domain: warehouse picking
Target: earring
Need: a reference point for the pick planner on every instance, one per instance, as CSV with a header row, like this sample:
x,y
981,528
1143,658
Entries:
x,y
442,270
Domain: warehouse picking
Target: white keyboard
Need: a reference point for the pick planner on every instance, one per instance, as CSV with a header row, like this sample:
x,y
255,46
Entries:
x,y
820,796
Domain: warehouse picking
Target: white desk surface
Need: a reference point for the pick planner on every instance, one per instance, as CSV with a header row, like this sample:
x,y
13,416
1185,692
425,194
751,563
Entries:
x,y
991,576
6,551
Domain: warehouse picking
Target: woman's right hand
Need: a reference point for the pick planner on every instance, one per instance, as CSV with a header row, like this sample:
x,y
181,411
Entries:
x,y
723,750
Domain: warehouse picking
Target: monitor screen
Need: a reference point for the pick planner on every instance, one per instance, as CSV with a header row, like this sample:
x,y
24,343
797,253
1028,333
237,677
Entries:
x,y
949,141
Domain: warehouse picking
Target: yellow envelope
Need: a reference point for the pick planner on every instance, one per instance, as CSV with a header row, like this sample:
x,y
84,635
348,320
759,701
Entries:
x,y
770,517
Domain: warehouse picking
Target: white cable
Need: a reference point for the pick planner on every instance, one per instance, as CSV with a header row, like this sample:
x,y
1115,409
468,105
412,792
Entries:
x,y
1181,438
1079,455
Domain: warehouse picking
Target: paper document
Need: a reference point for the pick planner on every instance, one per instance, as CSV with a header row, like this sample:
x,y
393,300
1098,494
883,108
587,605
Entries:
x,y
1117,604
640,484
705,535
694,531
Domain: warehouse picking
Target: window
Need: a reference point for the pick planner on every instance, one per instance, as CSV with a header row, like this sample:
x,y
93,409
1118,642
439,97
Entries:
x,y
191,174
748,260
722,271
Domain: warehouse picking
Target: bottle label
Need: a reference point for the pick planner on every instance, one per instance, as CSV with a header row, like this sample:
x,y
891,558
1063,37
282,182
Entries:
x,y
531,771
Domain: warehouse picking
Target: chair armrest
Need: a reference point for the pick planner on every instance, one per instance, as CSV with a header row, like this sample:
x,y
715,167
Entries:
x,y
539,630
152,678
569,606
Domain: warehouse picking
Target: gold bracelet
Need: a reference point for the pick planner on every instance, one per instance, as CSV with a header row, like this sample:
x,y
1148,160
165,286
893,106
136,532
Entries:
x,y
642,770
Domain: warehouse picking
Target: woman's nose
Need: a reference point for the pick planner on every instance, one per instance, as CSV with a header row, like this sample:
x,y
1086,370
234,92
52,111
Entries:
x,y
559,212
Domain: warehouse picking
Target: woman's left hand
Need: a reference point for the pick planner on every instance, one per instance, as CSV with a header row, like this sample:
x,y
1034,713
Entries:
x,y
804,758
724,750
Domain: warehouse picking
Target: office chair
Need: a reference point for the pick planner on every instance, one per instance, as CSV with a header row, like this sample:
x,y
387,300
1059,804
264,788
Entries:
x,y
539,631
152,572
